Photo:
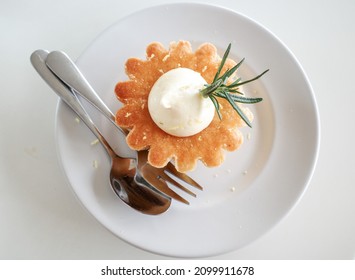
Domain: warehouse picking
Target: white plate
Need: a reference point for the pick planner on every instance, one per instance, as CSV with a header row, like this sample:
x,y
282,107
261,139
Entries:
x,y
268,174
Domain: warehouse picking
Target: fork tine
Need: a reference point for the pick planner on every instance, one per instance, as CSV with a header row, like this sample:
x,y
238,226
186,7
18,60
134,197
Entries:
x,y
154,176
167,178
187,179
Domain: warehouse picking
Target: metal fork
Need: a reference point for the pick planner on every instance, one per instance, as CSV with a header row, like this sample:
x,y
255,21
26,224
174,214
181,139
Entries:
x,y
66,70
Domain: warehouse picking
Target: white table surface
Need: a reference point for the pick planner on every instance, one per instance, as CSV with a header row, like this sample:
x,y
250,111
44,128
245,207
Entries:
x,y
39,216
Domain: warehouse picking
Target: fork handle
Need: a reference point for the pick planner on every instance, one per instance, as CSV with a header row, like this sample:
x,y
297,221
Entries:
x,y
67,71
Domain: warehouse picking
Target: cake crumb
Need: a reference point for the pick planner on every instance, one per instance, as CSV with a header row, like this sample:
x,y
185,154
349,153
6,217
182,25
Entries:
x,y
232,189
77,120
249,136
165,57
94,142
245,172
32,151
95,164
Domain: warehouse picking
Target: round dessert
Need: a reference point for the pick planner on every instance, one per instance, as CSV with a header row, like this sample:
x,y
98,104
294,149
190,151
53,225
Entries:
x,y
166,114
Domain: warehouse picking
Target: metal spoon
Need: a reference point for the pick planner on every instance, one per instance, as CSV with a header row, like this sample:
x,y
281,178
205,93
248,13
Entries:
x,y
127,183
64,68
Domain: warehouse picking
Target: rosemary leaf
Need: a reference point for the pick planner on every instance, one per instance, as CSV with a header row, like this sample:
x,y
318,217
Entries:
x,y
251,80
239,111
216,105
235,83
230,72
222,63
245,100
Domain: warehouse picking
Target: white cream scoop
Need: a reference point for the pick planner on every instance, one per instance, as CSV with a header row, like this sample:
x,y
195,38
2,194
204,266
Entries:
x,y
176,105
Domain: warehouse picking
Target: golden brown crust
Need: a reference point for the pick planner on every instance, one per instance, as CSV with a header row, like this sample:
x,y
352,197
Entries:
x,y
208,145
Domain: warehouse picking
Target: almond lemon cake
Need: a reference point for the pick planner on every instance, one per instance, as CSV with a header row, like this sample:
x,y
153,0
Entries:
x,y
182,105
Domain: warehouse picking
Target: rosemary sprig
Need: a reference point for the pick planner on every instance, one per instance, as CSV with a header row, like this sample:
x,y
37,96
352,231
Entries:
x,y
219,88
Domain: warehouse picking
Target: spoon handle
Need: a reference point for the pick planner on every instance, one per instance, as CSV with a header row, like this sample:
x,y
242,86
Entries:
x,y
67,71
38,60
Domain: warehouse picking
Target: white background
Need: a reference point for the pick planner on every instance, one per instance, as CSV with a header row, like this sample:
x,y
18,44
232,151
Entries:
x,y
39,216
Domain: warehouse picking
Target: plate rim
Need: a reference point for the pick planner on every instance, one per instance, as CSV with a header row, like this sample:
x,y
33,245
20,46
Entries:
x,y
312,95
